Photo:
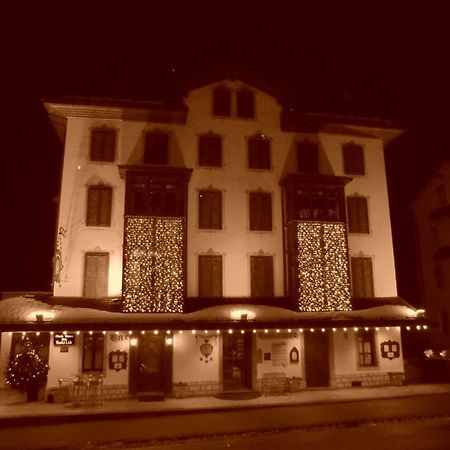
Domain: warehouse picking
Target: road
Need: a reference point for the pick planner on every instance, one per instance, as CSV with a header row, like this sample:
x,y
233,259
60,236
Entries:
x,y
426,434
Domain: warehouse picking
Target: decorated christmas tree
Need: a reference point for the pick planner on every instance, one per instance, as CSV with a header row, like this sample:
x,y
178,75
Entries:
x,y
27,370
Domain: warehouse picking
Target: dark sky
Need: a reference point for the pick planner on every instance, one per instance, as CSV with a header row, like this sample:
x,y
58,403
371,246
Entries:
x,y
367,58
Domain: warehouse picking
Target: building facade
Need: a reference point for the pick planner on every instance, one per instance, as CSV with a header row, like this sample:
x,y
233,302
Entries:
x,y
220,244
431,210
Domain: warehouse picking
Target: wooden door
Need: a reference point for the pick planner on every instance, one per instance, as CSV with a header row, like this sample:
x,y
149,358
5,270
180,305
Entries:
x,y
150,364
317,369
237,361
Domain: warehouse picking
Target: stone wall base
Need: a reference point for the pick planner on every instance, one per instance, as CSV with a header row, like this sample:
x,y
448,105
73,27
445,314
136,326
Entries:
x,y
196,389
115,391
362,379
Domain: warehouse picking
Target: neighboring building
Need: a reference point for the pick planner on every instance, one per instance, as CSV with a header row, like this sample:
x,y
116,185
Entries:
x,y
431,210
218,244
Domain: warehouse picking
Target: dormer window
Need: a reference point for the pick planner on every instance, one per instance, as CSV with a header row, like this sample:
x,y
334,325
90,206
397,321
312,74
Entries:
x,y
222,102
245,104
156,148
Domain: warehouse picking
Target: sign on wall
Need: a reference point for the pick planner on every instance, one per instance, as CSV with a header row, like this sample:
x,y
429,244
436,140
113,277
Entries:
x,y
390,349
64,339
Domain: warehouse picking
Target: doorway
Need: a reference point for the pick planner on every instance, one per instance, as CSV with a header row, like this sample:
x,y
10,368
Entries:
x,y
237,362
151,364
317,367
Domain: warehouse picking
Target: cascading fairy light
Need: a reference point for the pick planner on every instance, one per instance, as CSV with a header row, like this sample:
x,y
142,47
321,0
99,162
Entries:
x,y
323,283
153,264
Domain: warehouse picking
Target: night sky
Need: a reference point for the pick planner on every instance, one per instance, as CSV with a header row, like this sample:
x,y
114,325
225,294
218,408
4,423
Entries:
x,y
376,59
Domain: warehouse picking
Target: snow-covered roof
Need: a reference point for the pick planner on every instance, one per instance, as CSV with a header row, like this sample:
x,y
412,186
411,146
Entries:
x,y
21,313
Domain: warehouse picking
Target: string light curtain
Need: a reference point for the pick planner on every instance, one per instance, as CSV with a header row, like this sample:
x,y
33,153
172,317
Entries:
x,y
153,264
322,257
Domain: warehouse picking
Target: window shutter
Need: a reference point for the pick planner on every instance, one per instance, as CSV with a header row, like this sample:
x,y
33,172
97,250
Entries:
x,y
222,102
210,151
353,159
261,276
260,204
258,153
96,275
358,217
210,210
92,206
103,145
307,157
104,212
210,276
362,277
99,206
156,148
245,104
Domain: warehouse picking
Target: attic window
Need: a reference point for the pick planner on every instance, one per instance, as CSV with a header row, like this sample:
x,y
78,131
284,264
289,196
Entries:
x,y
245,104
222,102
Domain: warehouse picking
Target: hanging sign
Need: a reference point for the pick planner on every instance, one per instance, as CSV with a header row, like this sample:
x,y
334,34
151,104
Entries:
x,y
64,339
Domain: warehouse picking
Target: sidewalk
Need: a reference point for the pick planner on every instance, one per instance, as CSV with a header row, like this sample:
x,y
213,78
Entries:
x,y
14,406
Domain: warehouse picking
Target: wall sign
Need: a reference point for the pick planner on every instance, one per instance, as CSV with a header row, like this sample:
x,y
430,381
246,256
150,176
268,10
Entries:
x,y
390,349
294,356
118,360
64,339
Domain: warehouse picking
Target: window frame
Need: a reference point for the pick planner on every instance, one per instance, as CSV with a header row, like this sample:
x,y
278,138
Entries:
x,y
86,292
97,348
157,156
206,219
99,150
206,289
268,290
95,219
241,106
258,201
216,110
204,153
358,214
364,338
353,159
366,286
259,158
312,161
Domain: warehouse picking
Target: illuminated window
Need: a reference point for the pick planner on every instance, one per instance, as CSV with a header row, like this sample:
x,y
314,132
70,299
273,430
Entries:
x,y
222,102
362,277
307,157
96,271
210,210
261,276
366,348
353,159
357,214
210,150
210,276
259,153
93,352
260,206
98,213
103,145
156,148
245,104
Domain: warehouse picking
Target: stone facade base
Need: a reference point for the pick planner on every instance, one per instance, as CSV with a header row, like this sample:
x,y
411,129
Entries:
x,y
362,379
196,389
115,391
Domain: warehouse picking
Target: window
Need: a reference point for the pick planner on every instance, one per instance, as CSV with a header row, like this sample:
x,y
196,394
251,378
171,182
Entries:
x,y
222,102
358,217
307,157
93,352
353,159
366,348
210,210
210,276
96,275
261,276
156,148
316,204
210,150
260,206
259,153
362,277
245,104
98,213
103,145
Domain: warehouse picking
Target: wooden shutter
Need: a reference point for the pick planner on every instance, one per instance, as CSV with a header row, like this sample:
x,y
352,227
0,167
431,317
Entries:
x,y
261,276
353,159
210,276
210,151
99,206
260,205
258,153
210,210
307,157
103,145
96,275
358,216
362,277
156,148
222,102
245,104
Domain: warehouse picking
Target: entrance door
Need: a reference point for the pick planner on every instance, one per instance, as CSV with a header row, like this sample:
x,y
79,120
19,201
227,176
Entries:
x,y
317,369
237,361
150,364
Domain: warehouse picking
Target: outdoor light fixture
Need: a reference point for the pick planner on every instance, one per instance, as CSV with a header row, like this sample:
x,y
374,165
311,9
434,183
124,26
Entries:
x,y
169,341
133,342
242,314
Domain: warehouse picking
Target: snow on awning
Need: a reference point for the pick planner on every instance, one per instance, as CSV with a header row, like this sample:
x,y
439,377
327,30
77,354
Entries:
x,y
21,313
